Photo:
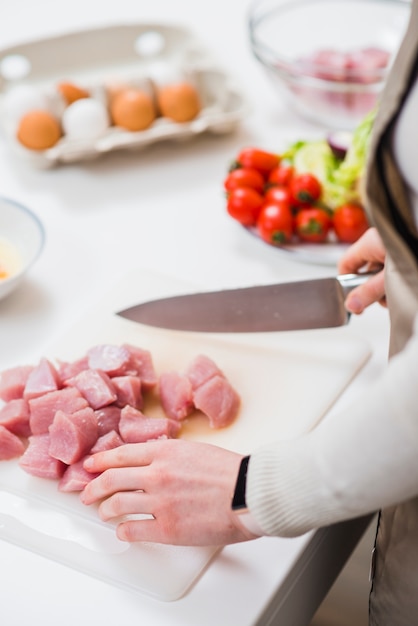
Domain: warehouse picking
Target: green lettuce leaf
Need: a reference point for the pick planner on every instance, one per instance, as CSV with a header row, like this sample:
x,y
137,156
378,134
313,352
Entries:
x,y
340,178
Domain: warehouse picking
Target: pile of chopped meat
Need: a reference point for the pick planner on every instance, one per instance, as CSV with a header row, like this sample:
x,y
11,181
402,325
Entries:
x,y
54,416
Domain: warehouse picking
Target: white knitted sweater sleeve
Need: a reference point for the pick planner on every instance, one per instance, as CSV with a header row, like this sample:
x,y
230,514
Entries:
x,y
354,463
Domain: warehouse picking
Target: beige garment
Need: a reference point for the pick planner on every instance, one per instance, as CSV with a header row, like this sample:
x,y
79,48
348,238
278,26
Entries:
x,y
394,593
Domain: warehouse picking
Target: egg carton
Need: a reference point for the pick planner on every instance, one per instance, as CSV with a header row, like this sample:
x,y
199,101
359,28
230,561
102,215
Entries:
x,y
142,55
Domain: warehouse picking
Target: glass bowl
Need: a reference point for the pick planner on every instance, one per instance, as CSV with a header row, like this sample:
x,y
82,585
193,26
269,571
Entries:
x,y
328,58
22,238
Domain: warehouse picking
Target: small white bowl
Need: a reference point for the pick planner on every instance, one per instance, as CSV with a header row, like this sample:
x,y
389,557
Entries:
x,y
22,238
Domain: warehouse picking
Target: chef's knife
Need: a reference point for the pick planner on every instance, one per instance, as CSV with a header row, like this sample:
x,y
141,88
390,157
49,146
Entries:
x,y
299,305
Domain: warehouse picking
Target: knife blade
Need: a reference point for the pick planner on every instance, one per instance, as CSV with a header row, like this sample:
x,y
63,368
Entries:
x,y
299,305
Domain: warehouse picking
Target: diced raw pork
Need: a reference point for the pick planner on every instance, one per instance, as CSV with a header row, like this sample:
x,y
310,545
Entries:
x,y
135,427
13,381
108,419
365,65
37,461
15,417
202,369
70,369
43,408
75,477
107,442
361,65
43,378
95,386
128,390
72,435
141,365
95,403
327,63
114,360
11,446
218,400
176,395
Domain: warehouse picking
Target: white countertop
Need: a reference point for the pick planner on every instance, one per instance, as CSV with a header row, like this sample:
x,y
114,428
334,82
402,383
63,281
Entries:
x,y
159,209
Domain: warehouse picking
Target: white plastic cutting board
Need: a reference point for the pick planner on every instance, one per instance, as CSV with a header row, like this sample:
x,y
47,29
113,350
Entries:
x,y
287,382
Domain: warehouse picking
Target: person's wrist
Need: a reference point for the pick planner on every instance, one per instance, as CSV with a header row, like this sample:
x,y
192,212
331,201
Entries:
x,y
243,517
239,502
247,523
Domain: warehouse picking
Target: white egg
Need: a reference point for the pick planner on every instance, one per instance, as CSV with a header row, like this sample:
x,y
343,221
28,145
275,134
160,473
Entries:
x,y
20,100
85,119
15,67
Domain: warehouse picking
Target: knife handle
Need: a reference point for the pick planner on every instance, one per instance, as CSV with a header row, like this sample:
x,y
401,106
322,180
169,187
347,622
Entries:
x,y
349,282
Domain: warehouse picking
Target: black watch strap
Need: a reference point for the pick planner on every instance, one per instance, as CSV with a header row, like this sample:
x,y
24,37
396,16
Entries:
x,y
238,501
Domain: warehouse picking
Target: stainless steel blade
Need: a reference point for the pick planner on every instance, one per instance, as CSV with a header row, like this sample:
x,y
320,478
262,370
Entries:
x,y
297,305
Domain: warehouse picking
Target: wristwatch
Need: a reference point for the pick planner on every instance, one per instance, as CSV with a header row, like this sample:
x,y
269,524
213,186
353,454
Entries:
x,y
239,504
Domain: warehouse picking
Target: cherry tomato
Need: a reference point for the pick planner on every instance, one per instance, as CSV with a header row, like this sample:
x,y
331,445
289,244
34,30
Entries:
x,y
259,160
281,175
244,205
305,189
349,222
244,177
312,224
277,194
275,223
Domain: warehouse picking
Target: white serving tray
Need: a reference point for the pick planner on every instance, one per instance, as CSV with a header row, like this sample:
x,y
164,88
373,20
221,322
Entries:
x,y
123,53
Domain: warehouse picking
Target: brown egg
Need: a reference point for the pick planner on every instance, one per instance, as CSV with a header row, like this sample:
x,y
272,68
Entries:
x,y
114,88
132,109
38,130
179,102
71,92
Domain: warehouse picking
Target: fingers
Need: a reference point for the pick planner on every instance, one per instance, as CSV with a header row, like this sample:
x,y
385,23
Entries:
x,y
154,531
365,295
128,455
125,503
367,251
175,482
111,481
144,530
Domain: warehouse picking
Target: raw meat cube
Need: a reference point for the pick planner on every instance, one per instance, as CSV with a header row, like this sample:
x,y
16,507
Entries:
x,y
68,370
72,435
141,365
95,386
43,378
176,395
202,369
218,400
135,427
108,419
43,409
75,477
114,360
15,417
37,461
328,64
13,381
11,446
107,442
365,61
128,390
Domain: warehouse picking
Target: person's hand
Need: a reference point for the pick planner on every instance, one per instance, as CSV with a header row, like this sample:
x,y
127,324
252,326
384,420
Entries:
x,y
185,486
368,253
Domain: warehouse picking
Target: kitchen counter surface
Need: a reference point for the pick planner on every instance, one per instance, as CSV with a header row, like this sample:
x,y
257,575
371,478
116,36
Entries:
x,y
161,209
